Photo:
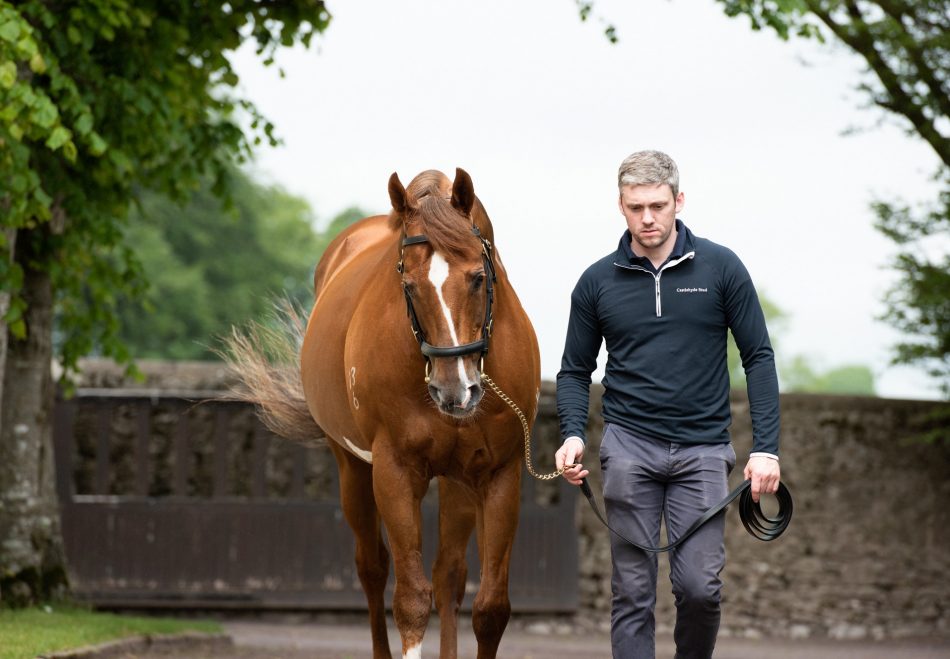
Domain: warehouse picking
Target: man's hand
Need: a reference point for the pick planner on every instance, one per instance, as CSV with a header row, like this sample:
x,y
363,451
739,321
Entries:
x,y
765,475
570,453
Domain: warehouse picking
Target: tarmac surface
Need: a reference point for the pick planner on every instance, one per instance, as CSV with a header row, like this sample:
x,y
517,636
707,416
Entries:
x,y
348,639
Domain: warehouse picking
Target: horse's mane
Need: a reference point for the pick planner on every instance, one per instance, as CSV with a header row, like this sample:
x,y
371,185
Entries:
x,y
429,197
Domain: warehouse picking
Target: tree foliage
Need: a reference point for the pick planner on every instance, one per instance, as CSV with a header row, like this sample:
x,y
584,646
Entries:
x,y
906,46
799,375
920,305
210,266
102,98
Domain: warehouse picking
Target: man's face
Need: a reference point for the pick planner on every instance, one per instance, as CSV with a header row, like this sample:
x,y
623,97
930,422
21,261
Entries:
x,y
650,211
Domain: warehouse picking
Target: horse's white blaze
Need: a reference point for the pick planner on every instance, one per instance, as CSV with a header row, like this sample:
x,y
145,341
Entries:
x,y
438,275
366,456
415,652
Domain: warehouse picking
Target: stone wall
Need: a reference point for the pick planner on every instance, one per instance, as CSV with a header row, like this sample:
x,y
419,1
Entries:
x,y
868,551
867,554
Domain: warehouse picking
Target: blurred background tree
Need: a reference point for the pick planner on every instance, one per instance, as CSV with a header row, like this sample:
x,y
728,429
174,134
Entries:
x,y
210,266
799,375
906,47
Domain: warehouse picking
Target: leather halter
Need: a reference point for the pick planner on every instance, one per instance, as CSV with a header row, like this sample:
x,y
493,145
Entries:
x,y
479,346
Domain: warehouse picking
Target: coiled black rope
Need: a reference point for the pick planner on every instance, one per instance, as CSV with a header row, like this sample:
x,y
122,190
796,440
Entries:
x,y
757,523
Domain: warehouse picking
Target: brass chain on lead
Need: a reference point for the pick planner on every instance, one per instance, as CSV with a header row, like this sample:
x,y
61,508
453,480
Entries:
x,y
524,426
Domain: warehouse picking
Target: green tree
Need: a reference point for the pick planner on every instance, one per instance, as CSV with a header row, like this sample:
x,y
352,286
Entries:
x,y
800,376
797,374
919,305
210,267
99,99
906,46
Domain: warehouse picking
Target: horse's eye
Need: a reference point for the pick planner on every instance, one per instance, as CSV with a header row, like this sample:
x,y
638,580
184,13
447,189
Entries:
x,y
409,287
477,281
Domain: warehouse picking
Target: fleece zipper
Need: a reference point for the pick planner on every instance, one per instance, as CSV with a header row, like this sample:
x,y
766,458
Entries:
x,y
656,276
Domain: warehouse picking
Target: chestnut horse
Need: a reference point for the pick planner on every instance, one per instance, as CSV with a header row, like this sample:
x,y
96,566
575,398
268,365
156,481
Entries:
x,y
411,310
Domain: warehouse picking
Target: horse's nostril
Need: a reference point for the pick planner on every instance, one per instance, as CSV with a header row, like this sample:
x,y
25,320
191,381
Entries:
x,y
434,393
475,391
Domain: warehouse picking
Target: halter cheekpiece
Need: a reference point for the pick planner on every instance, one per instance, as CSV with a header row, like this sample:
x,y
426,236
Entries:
x,y
479,346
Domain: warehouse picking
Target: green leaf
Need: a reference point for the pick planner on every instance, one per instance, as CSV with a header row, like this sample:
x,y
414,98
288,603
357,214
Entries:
x,y
17,329
26,47
69,150
40,195
13,314
44,114
84,124
10,31
7,75
9,112
18,183
74,35
37,64
58,137
97,145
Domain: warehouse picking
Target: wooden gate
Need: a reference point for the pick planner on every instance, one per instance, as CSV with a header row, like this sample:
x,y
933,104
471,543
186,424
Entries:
x,y
169,502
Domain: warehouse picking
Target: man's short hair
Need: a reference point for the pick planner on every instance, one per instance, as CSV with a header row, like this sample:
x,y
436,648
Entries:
x,y
649,168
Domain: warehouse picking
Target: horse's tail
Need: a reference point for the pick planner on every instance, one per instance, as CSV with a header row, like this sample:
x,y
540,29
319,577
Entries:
x,y
265,359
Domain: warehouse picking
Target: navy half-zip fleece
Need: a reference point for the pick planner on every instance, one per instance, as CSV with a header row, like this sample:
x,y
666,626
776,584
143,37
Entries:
x,y
665,332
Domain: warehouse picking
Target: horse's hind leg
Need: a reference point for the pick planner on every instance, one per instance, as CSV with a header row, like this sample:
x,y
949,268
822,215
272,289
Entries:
x,y
372,557
456,521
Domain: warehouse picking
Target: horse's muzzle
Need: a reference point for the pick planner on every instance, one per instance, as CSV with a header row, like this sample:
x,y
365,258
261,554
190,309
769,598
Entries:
x,y
459,402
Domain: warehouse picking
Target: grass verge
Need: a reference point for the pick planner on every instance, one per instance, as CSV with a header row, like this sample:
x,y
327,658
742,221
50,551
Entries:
x,y
26,633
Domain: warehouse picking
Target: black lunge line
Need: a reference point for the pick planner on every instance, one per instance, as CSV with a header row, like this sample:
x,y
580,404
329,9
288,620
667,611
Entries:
x,y
757,523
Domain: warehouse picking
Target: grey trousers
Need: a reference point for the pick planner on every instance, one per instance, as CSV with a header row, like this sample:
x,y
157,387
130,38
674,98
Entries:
x,y
645,479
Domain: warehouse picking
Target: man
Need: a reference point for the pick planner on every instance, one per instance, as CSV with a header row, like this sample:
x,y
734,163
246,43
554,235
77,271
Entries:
x,y
662,303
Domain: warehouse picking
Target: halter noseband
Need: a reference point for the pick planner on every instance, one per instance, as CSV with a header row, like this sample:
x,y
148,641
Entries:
x,y
479,346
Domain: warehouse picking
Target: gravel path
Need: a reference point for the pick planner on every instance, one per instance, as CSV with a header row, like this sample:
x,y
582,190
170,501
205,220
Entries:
x,y
350,640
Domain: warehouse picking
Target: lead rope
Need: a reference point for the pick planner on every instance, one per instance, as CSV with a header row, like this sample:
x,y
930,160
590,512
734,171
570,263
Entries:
x,y
524,426
758,524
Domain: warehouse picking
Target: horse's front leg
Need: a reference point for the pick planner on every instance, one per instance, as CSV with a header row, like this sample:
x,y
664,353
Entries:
x,y
456,521
497,520
398,489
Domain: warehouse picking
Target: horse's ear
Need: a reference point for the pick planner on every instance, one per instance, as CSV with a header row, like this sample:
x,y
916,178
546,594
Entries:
x,y
463,192
397,194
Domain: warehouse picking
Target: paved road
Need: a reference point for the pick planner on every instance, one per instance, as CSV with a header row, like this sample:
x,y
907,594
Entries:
x,y
350,640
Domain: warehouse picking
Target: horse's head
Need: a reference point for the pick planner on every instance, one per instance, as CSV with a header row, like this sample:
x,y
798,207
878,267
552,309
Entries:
x,y
447,276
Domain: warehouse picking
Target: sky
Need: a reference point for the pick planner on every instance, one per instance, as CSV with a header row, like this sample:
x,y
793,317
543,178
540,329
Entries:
x,y
540,109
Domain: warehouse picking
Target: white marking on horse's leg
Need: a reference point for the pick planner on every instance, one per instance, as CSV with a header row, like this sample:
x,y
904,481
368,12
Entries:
x,y
438,275
365,456
415,652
